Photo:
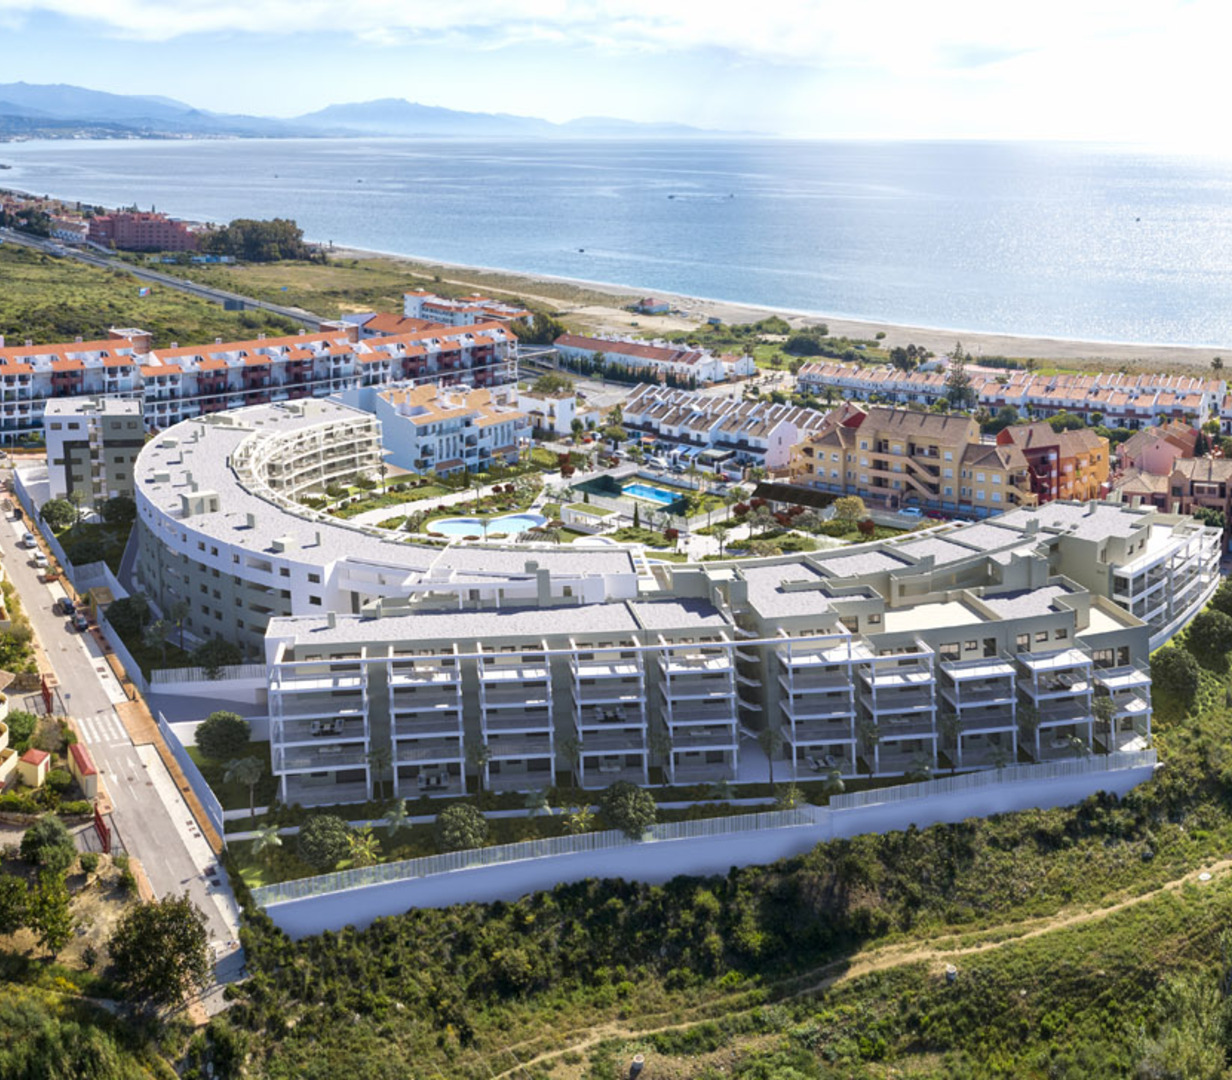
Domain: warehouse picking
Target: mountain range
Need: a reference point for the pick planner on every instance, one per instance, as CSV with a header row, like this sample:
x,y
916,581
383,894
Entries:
x,y
61,111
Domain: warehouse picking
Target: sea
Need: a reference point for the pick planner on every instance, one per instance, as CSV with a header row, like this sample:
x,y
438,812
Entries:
x,y
1098,243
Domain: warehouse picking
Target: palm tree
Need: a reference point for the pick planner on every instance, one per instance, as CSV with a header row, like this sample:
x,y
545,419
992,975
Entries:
x,y
921,769
571,748
537,803
396,819
246,770
364,849
1078,746
380,758
833,783
770,740
265,840
578,820
154,636
659,743
478,754
177,612
721,790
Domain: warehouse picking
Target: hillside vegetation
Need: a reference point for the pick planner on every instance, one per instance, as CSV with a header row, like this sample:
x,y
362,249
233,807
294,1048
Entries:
x,y
49,300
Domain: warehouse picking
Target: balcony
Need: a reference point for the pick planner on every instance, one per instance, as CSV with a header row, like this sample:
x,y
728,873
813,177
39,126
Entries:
x,y
316,732
319,758
608,742
323,791
412,781
889,702
704,738
598,772
818,708
519,746
518,722
896,727
425,750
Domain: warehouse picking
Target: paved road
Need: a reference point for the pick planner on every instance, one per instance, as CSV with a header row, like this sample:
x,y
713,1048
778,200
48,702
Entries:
x,y
104,262
154,823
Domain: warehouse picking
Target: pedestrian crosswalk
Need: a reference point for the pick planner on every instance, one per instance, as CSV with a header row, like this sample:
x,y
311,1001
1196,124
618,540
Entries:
x,y
105,728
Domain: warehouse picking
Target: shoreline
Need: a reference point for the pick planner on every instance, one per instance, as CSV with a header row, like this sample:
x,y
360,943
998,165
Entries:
x,y
613,318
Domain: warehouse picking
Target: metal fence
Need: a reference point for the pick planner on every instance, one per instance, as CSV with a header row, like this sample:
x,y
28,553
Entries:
x,y
164,676
527,849
987,778
213,808
121,650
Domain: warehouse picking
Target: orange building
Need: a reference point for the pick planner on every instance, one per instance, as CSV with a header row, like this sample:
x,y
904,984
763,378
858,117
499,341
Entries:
x,y
1062,464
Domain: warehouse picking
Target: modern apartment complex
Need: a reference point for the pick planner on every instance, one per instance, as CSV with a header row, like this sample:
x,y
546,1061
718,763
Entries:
x,y
961,647
894,458
467,311
92,447
180,382
1119,400
758,432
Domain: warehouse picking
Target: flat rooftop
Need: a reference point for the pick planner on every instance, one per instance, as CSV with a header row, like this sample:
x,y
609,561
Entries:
x,y
933,616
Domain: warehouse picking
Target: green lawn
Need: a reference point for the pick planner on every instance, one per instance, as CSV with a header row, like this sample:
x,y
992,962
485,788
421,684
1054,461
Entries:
x,y
235,796
110,538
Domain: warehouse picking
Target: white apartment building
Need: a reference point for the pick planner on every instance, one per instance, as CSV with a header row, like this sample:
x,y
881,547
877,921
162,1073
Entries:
x,y
180,382
448,429
555,412
466,311
685,365
92,446
758,432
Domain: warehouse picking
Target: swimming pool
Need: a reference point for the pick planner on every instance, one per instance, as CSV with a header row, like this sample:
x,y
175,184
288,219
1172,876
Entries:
x,y
510,525
652,494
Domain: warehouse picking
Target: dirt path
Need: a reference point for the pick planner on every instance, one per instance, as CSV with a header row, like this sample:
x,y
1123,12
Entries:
x,y
891,956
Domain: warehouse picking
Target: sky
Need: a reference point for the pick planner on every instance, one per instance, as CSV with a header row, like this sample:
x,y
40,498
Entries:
x,y
1140,71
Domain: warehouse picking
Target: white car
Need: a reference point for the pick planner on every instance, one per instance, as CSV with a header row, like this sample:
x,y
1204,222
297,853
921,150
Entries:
x,y
40,560
28,541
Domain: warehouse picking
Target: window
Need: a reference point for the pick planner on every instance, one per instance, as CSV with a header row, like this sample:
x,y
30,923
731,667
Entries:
x,y
996,478
949,455
1061,634
950,651
56,426
979,477
979,493
970,646
314,579
949,491
1041,635
315,601
1023,643
874,620
948,474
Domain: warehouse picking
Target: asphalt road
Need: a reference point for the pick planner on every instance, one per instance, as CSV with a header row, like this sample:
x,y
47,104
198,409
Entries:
x,y
154,823
103,262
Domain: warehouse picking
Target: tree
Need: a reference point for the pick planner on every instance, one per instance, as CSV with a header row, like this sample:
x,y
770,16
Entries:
x,y
396,818
629,808
59,514
959,392
1175,671
177,612
1217,364
155,637
1190,1037
659,743
1210,639
536,803
850,508
380,759
363,849
14,903
129,615
552,383
577,427
478,754
257,241
770,739
248,771
49,913
1222,600
324,840
788,798
120,510
578,820
214,654
265,839
223,735
48,845
460,827
79,498
160,952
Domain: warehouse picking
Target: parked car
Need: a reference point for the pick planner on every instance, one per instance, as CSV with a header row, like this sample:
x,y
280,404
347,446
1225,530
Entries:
x,y
81,621
39,560
28,541
65,605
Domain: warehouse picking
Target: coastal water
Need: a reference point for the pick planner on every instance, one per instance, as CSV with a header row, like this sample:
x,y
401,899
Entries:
x,y
1095,243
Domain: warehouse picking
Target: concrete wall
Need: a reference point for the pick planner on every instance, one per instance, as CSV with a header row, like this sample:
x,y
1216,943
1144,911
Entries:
x,y
659,861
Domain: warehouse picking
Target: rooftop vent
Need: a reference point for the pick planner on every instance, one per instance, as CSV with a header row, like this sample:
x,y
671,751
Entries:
x,y
251,520
283,544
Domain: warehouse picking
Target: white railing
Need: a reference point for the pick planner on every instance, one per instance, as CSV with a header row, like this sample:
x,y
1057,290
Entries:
x,y
528,849
164,676
948,785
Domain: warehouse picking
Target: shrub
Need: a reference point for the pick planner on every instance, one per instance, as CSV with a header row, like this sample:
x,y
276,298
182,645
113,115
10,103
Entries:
x,y
129,616
59,780
1210,638
21,728
215,654
59,513
223,735
48,845
460,827
324,840
121,510
629,808
86,551
89,862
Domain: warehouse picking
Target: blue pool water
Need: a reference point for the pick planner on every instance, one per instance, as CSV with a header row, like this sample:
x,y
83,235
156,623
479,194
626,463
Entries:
x,y
510,525
654,494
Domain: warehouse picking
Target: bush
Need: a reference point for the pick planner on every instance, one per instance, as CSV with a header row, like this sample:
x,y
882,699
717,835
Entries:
x,y
89,861
121,510
629,808
48,845
59,780
86,551
59,513
324,840
223,735
1210,639
460,827
1176,671
21,728
129,616
214,655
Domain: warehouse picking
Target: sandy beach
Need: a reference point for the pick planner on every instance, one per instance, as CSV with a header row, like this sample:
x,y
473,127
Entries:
x,y
599,306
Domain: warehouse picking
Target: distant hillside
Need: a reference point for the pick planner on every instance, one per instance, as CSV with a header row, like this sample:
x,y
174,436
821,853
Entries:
x,y
60,111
